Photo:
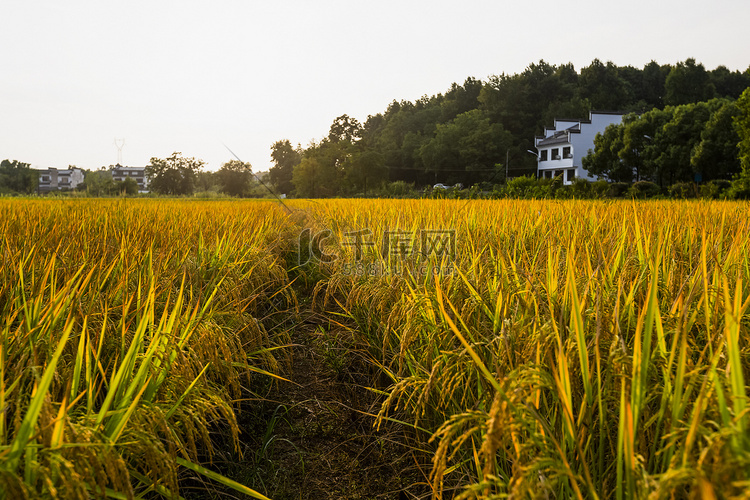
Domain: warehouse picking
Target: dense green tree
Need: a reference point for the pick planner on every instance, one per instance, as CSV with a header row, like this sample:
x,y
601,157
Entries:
x,y
686,83
729,84
604,161
99,182
206,181
742,127
371,129
636,136
640,146
364,170
654,78
602,85
310,179
321,171
575,108
402,120
235,177
568,76
741,184
504,100
716,156
459,99
518,101
399,133
284,157
175,175
127,187
345,129
633,77
17,177
466,149
692,142
527,102
676,140
545,84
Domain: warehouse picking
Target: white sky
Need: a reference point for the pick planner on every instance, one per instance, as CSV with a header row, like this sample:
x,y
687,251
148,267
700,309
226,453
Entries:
x,y
187,75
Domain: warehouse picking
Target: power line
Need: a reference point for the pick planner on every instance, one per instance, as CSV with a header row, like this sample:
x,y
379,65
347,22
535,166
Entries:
x,y
261,181
453,170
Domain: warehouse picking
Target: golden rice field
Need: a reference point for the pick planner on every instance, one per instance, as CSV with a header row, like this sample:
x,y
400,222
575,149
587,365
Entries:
x,y
541,349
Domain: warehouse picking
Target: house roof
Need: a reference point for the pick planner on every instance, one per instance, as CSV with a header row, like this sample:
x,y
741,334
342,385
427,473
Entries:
x,y
65,171
553,140
560,137
563,136
128,169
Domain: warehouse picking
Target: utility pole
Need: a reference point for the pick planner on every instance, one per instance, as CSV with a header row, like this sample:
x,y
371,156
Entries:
x,y
506,165
119,143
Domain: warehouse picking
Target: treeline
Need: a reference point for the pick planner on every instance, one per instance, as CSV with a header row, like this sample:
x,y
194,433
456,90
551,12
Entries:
x,y
475,132
181,176
172,176
17,178
687,143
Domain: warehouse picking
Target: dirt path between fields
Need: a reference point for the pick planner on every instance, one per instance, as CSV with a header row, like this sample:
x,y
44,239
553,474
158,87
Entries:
x,y
317,439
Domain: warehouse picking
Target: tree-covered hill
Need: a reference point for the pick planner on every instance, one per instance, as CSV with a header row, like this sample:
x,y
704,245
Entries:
x,y
474,131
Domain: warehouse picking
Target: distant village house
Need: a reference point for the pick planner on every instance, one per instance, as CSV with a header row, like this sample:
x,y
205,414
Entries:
x,y
53,179
138,174
562,147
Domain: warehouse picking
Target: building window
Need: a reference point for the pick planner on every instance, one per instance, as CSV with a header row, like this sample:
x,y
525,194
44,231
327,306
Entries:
x,y
571,174
555,153
45,178
566,152
543,155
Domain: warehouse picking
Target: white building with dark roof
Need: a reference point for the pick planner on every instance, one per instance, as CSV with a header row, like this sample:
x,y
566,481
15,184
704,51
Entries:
x,y
561,148
138,174
53,179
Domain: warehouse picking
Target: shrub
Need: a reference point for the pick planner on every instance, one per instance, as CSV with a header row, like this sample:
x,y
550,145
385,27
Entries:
x,y
740,188
644,189
715,189
399,189
581,188
617,189
599,189
521,187
683,190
